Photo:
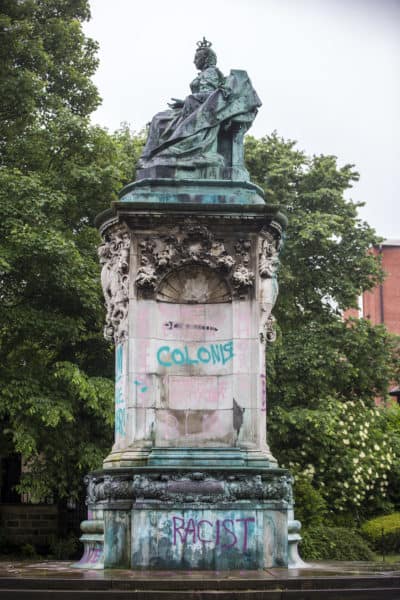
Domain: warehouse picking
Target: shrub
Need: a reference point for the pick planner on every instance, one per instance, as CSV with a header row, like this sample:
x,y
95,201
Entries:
x,y
334,543
355,434
28,551
383,531
310,506
64,548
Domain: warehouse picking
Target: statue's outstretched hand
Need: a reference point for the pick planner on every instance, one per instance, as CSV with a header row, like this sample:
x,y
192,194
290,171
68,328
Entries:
x,y
176,103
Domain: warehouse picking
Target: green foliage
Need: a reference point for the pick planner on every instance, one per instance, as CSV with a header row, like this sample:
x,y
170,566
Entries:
x,y
350,360
333,543
28,551
46,66
310,507
393,425
325,372
129,147
56,173
64,548
383,532
343,449
325,264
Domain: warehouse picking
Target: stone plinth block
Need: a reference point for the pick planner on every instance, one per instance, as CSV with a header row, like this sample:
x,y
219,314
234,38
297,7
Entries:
x,y
189,290
184,519
189,275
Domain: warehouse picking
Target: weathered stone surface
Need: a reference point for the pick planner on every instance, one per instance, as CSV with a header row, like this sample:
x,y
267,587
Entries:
x,y
199,519
190,366
114,258
208,539
197,288
199,487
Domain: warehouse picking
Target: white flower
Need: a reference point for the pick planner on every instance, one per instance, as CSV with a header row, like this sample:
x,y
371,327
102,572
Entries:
x,y
346,442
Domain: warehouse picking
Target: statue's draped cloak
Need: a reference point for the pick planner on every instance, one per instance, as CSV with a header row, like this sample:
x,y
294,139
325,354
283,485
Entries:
x,y
188,135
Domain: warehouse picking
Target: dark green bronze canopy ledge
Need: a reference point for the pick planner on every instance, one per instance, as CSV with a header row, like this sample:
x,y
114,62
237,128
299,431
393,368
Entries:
x,y
190,191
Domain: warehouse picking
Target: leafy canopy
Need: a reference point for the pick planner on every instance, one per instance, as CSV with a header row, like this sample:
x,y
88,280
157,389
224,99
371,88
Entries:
x,y
324,372
56,173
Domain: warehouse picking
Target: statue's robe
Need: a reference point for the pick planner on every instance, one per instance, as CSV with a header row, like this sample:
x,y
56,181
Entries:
x,y
188,136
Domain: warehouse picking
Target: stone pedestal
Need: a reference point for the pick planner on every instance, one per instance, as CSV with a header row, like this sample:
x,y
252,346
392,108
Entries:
x,y
177,518
189,277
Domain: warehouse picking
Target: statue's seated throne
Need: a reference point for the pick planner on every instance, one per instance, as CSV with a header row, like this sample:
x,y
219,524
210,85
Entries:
x,y
230,139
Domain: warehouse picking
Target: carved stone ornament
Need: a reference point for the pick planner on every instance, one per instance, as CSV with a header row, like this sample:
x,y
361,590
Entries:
x,y
270,329
114,258
271,244
192,266
242,277
193,487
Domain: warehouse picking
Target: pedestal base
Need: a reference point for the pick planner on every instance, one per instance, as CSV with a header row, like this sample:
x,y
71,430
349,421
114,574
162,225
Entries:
x,y
178,518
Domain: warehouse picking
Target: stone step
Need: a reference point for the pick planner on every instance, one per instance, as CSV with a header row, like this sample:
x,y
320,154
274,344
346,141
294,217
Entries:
x,y
385,587
197,584
385,593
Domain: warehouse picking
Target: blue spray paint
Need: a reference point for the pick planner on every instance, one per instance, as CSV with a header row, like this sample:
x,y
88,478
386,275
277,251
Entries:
x,y
214,353
120,421
119,395
143,388
119,353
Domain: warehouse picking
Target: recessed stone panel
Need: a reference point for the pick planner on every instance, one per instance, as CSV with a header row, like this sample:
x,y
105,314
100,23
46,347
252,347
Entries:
x,y
207,539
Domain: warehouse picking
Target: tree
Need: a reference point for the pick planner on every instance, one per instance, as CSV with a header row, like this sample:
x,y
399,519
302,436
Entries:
x,y
56,173
324,372
326,262
46,66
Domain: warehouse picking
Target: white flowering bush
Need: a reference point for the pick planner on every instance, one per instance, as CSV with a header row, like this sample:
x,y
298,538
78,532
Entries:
x,y
343,449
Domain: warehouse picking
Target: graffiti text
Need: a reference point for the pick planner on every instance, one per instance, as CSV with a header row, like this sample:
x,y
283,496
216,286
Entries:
x,y
214,353
221,532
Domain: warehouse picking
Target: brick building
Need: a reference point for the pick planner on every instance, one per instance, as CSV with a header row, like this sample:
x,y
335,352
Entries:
x,y
382,304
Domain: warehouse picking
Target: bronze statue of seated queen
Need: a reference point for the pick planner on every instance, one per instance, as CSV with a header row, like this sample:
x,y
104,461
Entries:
x,y
202,136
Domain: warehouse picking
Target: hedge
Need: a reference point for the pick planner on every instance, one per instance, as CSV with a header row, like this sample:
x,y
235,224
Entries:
x,y
383,533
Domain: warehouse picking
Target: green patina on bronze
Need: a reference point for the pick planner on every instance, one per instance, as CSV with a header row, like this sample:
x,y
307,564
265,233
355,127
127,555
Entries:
x,y
201,137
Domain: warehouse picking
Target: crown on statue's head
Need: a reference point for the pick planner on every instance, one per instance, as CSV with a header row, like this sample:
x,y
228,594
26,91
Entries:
x,y
203,44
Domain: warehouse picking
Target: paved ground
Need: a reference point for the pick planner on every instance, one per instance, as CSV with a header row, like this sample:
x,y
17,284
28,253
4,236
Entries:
x,y
63,570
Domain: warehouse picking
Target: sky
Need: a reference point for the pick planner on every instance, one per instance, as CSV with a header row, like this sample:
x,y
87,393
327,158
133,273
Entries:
x,y
327,72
